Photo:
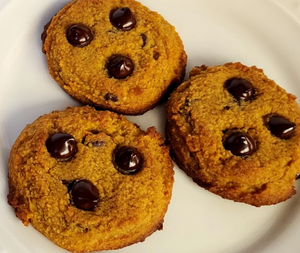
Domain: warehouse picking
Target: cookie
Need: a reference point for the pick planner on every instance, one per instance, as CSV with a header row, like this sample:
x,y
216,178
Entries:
x,y
116,55
90,180
236,133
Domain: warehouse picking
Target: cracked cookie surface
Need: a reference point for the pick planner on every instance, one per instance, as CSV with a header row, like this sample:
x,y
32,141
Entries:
x,y
90,180
116,55
236,133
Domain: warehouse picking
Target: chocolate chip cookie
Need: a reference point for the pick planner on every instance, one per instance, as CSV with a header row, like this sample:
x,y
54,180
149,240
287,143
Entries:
x,y
116,55
236,133
90,180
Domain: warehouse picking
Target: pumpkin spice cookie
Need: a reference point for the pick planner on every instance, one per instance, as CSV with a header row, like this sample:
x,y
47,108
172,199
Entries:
x,y
116,55
236,133
90,180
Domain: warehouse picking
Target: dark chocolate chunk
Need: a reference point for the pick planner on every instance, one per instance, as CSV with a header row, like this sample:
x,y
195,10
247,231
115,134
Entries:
x,y
281,127
111,97
127,160
61,146
240,144
79,35
84,194
122,18
240,89
119,66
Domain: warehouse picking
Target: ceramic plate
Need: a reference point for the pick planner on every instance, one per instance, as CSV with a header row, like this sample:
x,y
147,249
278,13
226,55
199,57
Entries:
x,y
214,32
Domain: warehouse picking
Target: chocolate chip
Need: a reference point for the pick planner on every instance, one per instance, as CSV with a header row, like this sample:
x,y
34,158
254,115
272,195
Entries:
x,y
240,89
79,35
240,144
111,97
61,146
298,176
156,55
122,18
144,38
281,127
127,160
119,66
84,195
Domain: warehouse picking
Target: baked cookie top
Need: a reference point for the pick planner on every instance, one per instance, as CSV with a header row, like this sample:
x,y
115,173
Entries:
x,y
90,180
117,55
236,133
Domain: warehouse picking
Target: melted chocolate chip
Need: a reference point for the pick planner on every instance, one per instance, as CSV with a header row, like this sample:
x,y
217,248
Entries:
x,y
156,55
281,127
298,176
127,160
84,194
240,144
144,38
240,89
61,146
122,18
79,35
111,97
119,66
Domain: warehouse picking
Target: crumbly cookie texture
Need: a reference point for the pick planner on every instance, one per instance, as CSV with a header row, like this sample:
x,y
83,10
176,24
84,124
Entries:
x,y
116,55
236,133
90,180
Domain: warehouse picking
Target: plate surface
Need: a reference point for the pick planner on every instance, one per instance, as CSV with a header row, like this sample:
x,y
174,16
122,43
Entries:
x,y
253,32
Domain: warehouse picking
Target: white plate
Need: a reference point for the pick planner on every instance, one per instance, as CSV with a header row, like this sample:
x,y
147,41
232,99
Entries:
x,y
214,32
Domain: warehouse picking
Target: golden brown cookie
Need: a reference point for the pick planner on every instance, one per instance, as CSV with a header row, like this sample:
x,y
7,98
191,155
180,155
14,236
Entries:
x,y
116,55
236,133
90,180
